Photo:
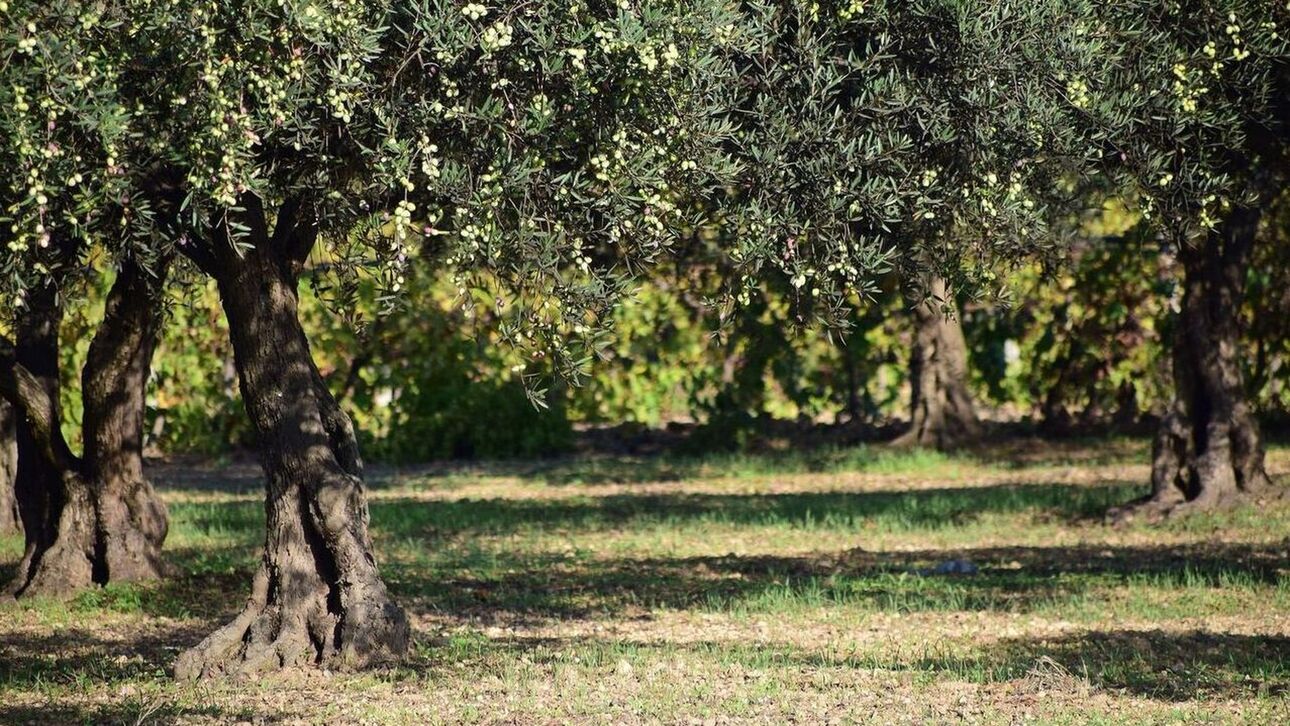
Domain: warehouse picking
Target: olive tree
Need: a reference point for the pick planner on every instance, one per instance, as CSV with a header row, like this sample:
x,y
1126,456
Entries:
x,y
90,518
550,146
926,138
1190,114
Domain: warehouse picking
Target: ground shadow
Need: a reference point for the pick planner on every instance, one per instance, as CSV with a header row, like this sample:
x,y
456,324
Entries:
x,y
1173,666
1169,666
29,660
72,658
533,587
454,575
1007,579
130,711
404,517
614,465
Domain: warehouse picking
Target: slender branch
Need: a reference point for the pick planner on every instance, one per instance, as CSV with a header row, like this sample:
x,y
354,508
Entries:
x,y
294,234
198,251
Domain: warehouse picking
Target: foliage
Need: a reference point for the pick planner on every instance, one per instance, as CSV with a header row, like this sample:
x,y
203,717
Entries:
x,y
1187,110
61,130
912,134
1078,342
1267,315
543,158
432,379
523,140
195,405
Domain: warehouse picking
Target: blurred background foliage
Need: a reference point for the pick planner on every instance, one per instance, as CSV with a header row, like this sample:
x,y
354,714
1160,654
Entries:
x,y
1078,347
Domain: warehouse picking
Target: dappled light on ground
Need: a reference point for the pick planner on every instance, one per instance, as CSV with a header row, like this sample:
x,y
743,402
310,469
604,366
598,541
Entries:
x,y
984,586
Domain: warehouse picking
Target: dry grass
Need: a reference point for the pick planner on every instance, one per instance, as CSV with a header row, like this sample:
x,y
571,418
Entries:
x,y
731,590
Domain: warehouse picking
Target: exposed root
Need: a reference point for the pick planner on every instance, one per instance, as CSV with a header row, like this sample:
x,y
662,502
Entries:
x,y
1155,509
269,636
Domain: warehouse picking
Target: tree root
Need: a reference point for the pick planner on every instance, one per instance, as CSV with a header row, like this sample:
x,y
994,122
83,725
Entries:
x,y
269,636
1156,509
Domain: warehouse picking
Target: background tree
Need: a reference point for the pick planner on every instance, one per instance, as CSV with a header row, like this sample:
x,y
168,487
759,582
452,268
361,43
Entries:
x,y
921,137
1190,113
9,518
542,146
1266,317
941,412
93,518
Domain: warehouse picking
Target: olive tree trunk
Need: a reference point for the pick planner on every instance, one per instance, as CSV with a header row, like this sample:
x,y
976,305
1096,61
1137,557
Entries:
x,y
57,557
93,519
132,521
10,522
1208,451
942,415
317,597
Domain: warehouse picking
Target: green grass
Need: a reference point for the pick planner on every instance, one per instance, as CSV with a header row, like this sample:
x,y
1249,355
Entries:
x,y
727,465
756,588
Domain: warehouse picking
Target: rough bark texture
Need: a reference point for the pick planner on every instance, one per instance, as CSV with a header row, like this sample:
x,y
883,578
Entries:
x,y
1208,451
94,519
10,522
317,597
131,519
56,556
941,412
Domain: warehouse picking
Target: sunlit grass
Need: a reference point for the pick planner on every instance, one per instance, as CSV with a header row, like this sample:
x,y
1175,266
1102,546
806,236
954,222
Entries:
x,y
752,587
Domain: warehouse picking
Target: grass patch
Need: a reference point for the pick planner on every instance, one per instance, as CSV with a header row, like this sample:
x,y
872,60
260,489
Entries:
x,y
762,588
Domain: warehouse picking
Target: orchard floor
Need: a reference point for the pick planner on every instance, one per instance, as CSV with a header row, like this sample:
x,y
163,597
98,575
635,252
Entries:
x,y
797,589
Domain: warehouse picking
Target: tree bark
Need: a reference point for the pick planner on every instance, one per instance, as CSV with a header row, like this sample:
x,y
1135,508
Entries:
x,y
10,521
94,519
942,415
317,598
131,520
53,498
1208,451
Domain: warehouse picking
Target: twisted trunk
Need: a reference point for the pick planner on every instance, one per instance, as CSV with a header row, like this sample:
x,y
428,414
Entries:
x,y
10,522
1208,451
53,500
317,597
95,519
942,415
132,520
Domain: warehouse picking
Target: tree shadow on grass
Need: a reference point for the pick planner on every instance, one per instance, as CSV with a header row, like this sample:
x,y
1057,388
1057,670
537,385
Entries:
x,y
70,655
892,510
457,577
1009,579
406,518
1168,666
487,582
130,711
1164,665
243,474
72,659
536,587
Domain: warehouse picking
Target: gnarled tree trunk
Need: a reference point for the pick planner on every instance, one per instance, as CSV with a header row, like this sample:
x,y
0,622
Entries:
x,y
131,520
1208,451
941,412
59,548
94,519
10,522
317,597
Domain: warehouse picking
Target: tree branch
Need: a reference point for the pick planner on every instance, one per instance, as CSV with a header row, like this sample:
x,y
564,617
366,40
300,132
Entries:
x,y
293,234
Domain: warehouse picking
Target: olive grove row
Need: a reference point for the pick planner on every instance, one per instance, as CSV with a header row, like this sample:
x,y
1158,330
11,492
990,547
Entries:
x,y
562,149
